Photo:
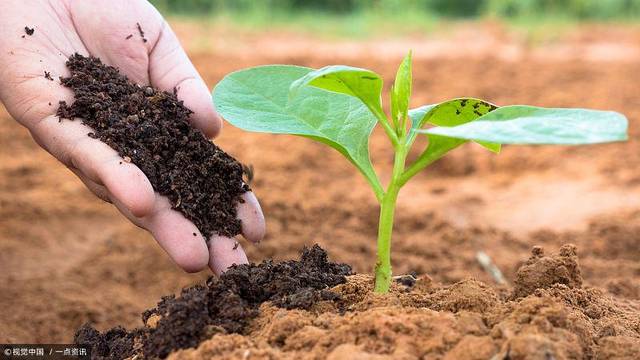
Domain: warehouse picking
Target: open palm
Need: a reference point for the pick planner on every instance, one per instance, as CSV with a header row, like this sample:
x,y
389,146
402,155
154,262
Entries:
x,y
102,29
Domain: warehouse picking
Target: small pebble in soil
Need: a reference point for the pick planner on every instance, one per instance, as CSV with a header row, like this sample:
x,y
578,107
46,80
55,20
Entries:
x,y
408,280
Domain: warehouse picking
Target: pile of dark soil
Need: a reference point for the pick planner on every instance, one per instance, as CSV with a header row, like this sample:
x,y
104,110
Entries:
x,y
222,305
151,129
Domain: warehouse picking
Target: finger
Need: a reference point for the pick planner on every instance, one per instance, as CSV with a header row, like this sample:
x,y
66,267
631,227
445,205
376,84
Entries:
x,y
170,68
98,190
178,236
225,252
69,142
250,212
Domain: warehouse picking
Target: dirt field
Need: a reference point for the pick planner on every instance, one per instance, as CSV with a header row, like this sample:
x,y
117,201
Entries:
x,y
66,258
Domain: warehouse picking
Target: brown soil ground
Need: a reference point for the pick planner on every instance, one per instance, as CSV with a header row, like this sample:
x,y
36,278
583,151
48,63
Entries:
x,y
547,315
66,258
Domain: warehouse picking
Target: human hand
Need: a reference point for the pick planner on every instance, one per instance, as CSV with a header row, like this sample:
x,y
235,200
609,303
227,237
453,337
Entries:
x,y
100,29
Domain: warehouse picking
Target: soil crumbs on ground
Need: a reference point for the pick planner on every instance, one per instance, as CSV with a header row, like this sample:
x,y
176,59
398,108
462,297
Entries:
x,y
547,314
222,305
151,129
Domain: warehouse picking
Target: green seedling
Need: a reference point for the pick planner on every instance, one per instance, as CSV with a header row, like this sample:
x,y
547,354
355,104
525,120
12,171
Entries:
x,y
340,105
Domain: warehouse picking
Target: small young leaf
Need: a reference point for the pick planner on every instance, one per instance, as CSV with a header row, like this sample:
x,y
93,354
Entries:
x,y
401,92
394,108
257,99
452,113
363,84
520,124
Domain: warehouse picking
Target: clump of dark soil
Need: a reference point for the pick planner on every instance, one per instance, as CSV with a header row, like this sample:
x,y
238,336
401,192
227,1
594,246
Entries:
x,y
116,343
222,305
151,129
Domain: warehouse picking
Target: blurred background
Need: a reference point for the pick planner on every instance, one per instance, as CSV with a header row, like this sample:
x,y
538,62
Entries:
x,y
59,243
364,17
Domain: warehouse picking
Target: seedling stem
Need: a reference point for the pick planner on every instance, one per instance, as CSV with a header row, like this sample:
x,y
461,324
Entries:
x,y
385,226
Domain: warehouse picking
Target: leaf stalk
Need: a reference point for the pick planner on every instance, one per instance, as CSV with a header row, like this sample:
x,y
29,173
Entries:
x,y
382,119
425,159
385,224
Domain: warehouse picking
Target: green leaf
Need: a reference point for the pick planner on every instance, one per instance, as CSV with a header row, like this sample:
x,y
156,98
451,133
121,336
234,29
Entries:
x,y
363,84
401,93
452,113
519,124
257,99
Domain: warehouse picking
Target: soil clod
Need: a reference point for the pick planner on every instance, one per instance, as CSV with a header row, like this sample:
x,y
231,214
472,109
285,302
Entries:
x,y
151,129
115,343
541,272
